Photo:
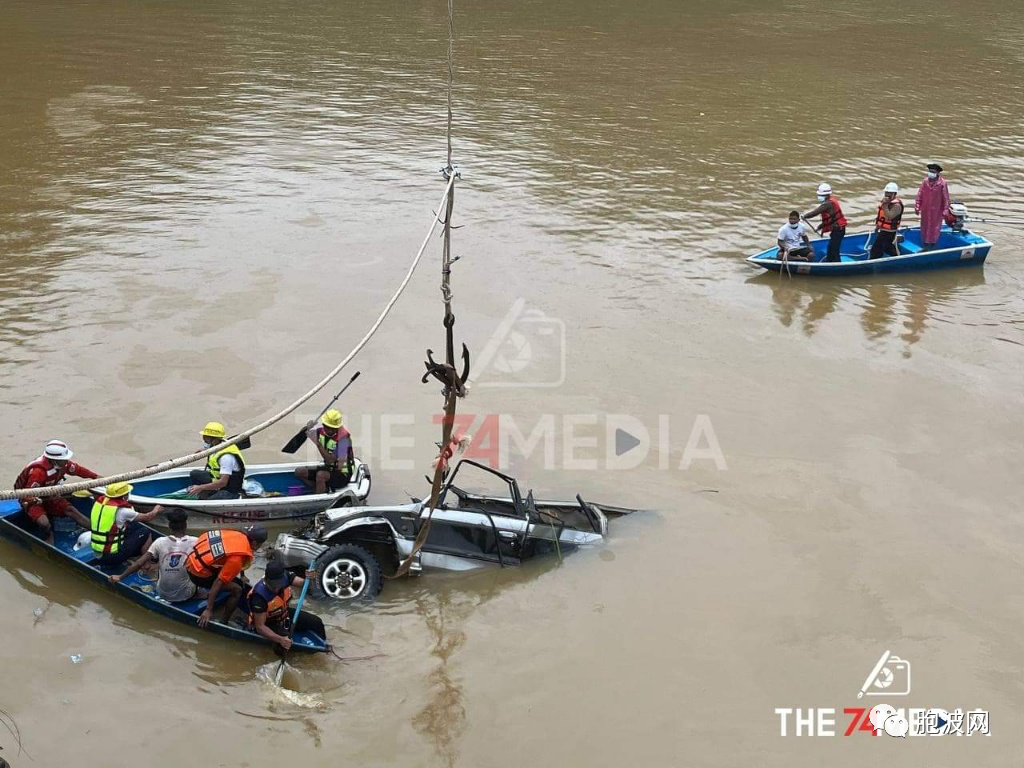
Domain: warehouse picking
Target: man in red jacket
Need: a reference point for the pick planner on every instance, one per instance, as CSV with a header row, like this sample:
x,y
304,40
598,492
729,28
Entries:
x,y
49,469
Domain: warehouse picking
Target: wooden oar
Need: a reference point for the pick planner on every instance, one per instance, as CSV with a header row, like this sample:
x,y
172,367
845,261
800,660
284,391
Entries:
x,y
300,437
295,619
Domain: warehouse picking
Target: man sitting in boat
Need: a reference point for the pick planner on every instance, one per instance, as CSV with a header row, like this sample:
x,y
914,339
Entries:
x,y
334,443
268,608
50,469
169,553
833,223
887,223
794,244
116,533
225,470
218,561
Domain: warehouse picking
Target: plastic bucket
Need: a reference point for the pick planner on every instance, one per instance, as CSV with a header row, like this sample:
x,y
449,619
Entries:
x,y
296,490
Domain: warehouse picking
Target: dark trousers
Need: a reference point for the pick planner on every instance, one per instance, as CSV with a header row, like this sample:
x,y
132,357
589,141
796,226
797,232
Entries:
x,y
885,244
835,242
202,477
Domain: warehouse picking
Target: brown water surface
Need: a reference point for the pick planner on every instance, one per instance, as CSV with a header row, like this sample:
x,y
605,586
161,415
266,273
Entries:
x,y
203,206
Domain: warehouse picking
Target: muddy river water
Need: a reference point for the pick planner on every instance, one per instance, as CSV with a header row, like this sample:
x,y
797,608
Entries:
x,y
203,206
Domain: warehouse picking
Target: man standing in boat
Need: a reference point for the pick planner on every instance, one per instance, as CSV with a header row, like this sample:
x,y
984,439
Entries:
x,y
887,222
50,469
225,470
334,443
218,561
794,244
932,204
268,607
833,223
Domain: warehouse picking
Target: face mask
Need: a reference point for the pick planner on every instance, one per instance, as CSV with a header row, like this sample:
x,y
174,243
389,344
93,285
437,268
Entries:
x,y
932,175
822,198
795,226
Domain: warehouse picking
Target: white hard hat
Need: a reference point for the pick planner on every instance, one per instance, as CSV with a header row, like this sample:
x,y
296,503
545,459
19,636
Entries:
x,y
892,187
57,450
824,188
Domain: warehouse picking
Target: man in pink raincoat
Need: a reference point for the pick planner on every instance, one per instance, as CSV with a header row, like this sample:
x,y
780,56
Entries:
x,y
932,204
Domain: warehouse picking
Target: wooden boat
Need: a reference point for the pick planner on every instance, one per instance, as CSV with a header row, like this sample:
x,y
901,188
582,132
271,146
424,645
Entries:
x,y
956,248
273,504
15,525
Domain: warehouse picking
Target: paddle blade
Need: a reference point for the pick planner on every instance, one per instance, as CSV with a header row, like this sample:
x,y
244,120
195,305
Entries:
x,y
296,442
280,674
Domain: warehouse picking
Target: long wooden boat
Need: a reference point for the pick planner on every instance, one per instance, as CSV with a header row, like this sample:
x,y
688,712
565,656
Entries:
x,y
956,248
274,503
15,526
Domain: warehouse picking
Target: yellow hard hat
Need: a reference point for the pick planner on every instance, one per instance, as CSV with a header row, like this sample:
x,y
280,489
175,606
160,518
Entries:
x,y
116,490
332,419
214,429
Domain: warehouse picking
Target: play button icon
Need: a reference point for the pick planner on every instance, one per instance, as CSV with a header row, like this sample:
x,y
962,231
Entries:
x,y
624,442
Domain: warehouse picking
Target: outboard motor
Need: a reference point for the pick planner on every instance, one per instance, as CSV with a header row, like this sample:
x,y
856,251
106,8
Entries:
x,y
957,216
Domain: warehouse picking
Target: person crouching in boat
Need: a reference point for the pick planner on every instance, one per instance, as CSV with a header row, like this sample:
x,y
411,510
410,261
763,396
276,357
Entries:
x,y
169,553
268,608
794,244
50,469
334,443
225,470
887,223
932,204
117,534
218,561
833,223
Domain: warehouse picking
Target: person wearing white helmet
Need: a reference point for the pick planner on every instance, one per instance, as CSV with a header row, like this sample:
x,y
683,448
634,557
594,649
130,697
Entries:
x,y
887,222
50,469
833,223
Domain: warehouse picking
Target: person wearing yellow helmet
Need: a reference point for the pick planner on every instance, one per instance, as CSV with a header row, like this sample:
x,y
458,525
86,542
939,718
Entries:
x,y
114,522
225,470
334,443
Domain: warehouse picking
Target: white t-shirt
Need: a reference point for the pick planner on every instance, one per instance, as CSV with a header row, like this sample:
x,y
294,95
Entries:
x,y
228,464
170,552
124,516
792,237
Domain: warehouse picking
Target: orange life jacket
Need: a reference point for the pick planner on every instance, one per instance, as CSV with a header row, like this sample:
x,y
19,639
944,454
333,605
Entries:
x,y
277,603
832,217
885,224
212,550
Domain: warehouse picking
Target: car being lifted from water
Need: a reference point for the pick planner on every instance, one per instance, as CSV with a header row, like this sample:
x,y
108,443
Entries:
x,y
352,547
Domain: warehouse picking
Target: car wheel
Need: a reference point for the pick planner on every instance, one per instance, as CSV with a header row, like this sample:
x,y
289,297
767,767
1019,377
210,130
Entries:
x,y
349,573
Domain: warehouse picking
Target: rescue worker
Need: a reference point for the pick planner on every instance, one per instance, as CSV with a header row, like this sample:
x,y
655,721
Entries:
x,y
833,223
887,223
794,245
334,443
169,553
225,470
48,470
932,204
268,607
116,533
218,561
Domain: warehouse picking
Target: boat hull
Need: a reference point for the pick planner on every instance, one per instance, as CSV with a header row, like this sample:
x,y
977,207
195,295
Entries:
x,y
14,526
204,514
955,249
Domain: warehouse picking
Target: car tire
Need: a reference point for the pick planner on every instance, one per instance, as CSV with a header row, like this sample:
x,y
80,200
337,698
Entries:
x,y
347,573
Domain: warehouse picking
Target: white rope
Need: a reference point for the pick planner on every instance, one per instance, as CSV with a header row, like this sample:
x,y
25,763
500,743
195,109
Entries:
x,y
64,489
